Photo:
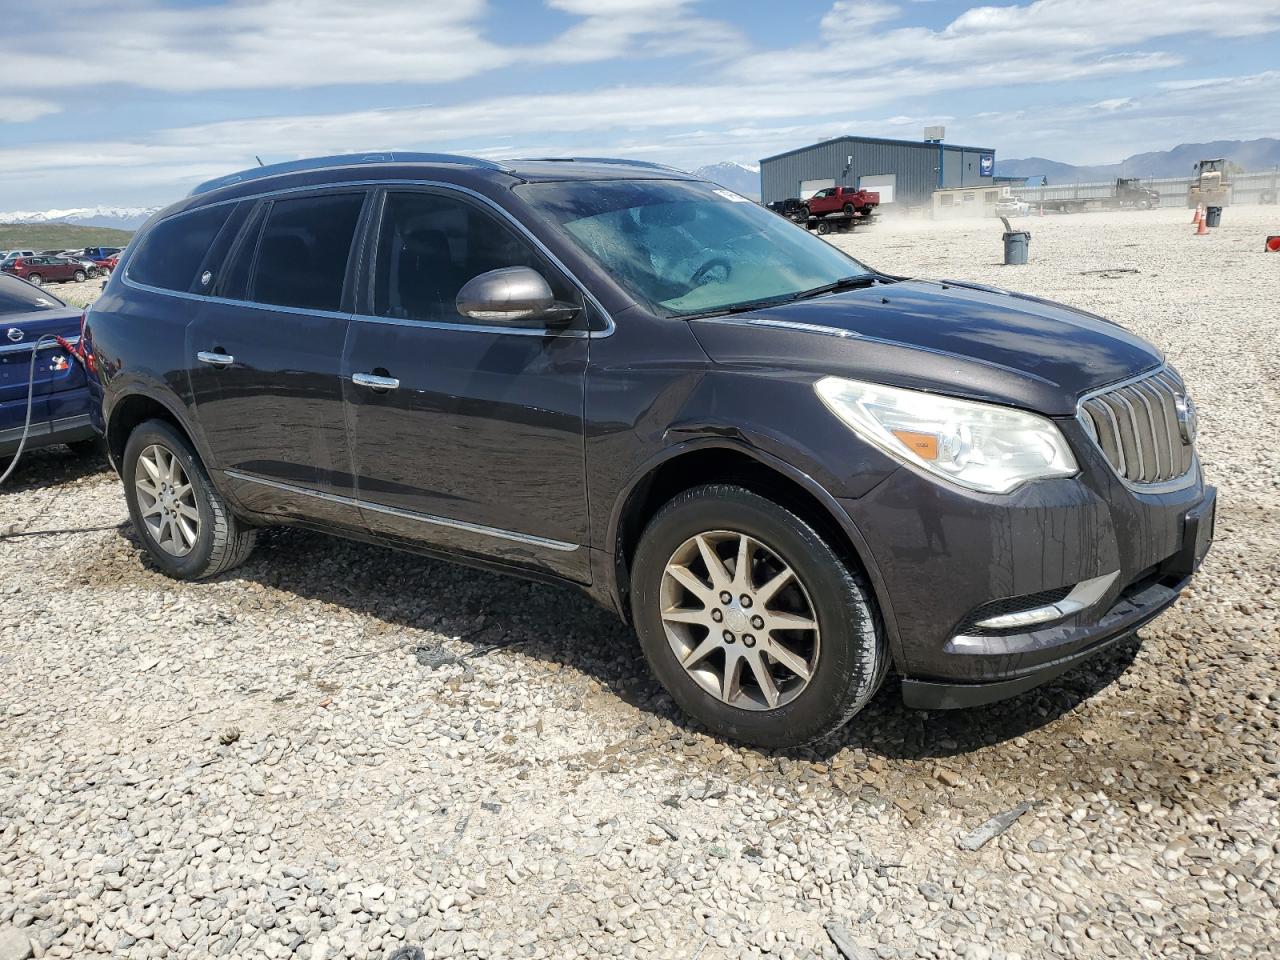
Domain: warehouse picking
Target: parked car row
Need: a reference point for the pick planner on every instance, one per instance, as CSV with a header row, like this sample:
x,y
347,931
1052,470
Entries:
x,y
59,265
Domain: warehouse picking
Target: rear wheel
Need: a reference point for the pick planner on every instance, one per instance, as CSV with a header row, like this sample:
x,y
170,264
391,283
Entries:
x,y
183,521
751,621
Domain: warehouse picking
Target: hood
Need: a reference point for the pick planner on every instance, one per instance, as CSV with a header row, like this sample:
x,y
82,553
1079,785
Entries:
x,y
960,339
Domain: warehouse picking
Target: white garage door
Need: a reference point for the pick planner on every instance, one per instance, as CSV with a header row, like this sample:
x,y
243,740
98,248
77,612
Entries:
x,y
809,187
883,182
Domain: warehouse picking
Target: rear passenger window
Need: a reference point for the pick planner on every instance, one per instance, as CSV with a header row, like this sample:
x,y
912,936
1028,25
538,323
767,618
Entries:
x,y
172,250
302,255
430,245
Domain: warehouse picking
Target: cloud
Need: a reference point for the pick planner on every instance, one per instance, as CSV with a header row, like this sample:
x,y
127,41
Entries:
x,y
847,15
287,44
1066,35
25,109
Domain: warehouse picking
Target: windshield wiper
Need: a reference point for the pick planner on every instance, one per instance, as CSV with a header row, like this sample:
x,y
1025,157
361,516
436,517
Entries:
x,y
844,283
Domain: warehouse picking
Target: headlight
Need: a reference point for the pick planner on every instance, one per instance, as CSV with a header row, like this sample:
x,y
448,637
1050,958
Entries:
x,y
978,445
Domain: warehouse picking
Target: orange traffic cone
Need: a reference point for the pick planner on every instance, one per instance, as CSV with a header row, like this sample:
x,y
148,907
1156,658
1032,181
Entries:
x,y
1195,214
1201,229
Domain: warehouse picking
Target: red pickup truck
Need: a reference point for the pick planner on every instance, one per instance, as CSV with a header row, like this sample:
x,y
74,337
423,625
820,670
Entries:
x,y
844,200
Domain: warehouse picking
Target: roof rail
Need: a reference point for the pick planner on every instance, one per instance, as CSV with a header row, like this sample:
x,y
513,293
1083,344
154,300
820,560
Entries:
x,y
341,160
620,161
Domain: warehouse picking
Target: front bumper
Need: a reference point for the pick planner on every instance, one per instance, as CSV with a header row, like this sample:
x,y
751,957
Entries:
x,y
943,555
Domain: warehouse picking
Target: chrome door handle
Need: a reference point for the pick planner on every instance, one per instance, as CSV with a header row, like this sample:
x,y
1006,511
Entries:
x,y
216,359
374,382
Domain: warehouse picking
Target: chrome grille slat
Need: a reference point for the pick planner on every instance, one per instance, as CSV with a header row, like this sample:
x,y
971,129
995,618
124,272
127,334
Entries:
x,y
1135,425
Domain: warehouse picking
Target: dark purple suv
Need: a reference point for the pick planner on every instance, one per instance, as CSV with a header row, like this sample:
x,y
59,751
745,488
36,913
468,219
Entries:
x,y
789,470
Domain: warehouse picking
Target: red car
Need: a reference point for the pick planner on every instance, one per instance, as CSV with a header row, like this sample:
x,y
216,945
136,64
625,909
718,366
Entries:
x,y
37,270
845,200
109,263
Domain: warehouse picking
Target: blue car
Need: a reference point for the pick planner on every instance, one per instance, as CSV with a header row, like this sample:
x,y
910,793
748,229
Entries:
x,y
60,405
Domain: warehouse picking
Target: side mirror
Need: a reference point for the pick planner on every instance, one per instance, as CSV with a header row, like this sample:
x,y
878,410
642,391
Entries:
x,y
519,296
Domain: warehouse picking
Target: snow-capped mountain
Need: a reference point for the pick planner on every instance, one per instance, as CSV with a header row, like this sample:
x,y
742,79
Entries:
x,y
738,177
122,218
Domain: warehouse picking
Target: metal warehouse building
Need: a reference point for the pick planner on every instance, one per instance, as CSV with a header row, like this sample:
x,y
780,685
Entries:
x,y
905,172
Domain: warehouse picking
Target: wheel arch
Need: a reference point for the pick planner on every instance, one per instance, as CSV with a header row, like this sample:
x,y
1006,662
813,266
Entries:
x,y
135,408
716,460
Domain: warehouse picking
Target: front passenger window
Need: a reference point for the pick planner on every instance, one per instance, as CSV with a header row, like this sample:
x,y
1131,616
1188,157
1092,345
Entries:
x,y
430,245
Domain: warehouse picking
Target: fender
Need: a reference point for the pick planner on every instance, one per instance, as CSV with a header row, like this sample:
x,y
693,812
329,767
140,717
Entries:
x,y
611,553
139,387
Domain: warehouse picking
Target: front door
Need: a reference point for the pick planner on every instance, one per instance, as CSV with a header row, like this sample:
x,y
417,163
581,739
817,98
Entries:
x,y
265,354
472,438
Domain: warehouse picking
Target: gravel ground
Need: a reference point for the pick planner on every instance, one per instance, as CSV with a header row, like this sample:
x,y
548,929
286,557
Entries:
x,y
337,751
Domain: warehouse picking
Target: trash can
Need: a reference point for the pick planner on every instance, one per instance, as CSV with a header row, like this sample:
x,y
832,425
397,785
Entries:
x,y
1212,216
1016,244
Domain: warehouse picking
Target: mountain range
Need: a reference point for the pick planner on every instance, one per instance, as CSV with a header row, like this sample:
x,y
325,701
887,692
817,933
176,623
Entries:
x,y
1251,155
121,218
738,177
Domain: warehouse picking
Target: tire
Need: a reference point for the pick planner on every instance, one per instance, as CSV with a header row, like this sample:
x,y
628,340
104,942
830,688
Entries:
x,y
220,541
848,209
79,276
823,227
846,655
805,213
35,278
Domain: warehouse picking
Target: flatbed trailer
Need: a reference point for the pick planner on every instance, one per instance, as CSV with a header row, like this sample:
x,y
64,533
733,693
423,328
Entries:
x,y
1128,194
836,222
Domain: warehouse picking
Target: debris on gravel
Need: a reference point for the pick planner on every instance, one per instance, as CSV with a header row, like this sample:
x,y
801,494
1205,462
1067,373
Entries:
x,y
437,759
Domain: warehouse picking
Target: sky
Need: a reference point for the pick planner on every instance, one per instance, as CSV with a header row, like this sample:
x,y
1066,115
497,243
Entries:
x,y
134,102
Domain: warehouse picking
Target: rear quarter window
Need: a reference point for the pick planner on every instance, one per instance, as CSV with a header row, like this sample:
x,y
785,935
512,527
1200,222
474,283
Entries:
x,y
172,251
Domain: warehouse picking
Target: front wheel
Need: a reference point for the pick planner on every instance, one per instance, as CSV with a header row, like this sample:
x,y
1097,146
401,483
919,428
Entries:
x,y
751,621
182,520
79,276
35,278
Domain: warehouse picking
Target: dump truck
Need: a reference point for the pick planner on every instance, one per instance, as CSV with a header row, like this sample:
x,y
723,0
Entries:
x,y
1210,186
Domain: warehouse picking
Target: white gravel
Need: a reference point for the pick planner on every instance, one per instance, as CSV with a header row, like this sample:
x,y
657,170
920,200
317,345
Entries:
x,y
338,751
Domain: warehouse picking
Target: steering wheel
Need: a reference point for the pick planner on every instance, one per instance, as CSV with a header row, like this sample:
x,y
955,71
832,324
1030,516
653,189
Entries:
x,y
699,276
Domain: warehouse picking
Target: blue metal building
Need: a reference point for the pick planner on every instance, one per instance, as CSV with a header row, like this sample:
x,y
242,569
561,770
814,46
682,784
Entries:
x,y
905,172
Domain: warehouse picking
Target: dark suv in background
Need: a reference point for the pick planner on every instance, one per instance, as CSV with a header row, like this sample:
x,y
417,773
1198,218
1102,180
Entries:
x,y
789,470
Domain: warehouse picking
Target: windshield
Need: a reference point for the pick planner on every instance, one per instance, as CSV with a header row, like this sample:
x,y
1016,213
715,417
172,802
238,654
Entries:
x,y
687,247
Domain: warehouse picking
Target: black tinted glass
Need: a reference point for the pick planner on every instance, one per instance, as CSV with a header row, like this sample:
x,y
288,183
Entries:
x,y
302,256
430,245
169,255
19,297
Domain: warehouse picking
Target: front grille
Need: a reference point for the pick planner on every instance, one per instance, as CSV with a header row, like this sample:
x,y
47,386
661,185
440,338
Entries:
x,y
1136,426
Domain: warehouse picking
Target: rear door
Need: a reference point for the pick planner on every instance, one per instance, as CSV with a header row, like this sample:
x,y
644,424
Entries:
x,y
478,447
265,351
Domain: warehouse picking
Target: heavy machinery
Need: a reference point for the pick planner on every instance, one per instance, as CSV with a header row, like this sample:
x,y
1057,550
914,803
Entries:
x,y
1210,186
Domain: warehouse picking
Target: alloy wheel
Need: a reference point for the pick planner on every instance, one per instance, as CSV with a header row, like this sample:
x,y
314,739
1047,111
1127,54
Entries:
x,y
739,620
166,500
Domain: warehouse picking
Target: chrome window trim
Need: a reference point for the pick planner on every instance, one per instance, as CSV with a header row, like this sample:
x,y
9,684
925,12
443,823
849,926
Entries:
x,y
542,248
496,532
10,348
1168,486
